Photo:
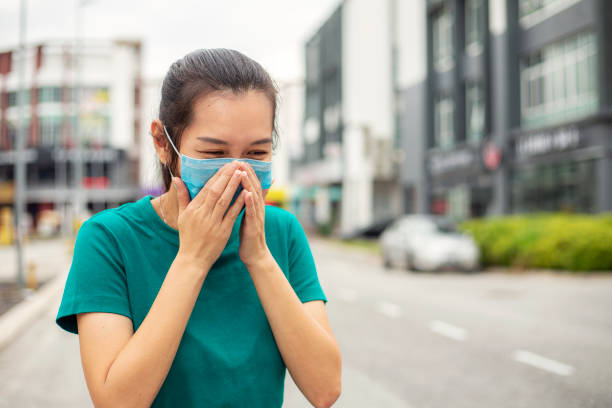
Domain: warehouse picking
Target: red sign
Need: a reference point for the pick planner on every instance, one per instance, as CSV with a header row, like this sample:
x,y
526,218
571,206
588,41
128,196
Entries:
x,y
491,156
95,182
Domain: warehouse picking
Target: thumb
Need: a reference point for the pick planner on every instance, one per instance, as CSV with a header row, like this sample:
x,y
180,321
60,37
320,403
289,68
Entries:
x,y
182,195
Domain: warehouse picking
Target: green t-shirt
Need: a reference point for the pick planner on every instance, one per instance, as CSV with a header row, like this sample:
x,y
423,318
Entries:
x,y
227,356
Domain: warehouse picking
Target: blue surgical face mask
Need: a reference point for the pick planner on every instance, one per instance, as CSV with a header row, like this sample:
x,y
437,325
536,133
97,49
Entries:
x,y
196,172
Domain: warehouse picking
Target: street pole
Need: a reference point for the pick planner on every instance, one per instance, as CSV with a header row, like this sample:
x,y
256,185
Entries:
x,y
77,201
20,165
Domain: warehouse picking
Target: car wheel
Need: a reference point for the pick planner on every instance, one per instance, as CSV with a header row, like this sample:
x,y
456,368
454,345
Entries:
x,y
387,262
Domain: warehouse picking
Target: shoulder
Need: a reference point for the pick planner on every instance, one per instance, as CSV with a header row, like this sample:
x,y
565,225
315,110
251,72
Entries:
x,y
110,223
285,221
279,215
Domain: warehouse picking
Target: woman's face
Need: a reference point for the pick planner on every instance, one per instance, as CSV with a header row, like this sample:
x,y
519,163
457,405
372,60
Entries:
x,y
225,124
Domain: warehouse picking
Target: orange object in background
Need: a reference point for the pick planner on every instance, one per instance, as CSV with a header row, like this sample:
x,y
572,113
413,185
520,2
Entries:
x,y
6,226
95,182
277,197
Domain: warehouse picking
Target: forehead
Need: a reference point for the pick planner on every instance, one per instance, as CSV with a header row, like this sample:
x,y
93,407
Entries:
x,y
233,117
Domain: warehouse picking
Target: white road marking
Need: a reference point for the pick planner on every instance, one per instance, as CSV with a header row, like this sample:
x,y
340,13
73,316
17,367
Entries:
x,y
543,363
347,294
448,330
389,309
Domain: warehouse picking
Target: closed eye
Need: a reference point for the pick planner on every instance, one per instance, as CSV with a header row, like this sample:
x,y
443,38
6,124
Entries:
x,y
258,152
212,152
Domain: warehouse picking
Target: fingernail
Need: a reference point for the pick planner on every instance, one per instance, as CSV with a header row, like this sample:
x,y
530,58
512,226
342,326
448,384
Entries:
x,y
244,173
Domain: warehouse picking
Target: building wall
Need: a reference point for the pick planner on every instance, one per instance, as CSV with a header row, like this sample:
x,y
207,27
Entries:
x,y
107,74
290,117
123,73
413,149
366,72
150,181
410,84
368,106
545,163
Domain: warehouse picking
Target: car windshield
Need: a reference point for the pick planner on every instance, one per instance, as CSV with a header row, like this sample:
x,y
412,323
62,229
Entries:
x,y
445,226
424,225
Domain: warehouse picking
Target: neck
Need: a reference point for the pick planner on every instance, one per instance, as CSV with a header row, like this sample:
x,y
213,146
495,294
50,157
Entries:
x,y
168,201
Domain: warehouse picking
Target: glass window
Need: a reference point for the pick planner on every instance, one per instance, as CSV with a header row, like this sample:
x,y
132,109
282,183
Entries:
x,y
475,112
443,39
566,186
312,62
12,98
94,129
444,123
49,130
559,82
50,94
533,11
474,26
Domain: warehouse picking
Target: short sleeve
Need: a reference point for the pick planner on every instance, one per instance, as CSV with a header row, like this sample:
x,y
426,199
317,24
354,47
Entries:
x,y
96,281
302,270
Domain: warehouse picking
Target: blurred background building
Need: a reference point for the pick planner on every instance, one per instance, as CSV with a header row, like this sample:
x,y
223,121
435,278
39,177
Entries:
x,y
519,106
96,93
349,167
465,108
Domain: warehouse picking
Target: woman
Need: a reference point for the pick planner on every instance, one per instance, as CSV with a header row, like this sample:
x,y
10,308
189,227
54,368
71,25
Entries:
x,y
202,302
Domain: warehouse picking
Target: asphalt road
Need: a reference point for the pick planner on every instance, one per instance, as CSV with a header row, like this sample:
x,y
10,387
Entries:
x,y
408,340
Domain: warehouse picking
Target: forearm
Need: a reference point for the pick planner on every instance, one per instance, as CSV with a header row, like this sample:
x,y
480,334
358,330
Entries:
x,y
310,353
138,372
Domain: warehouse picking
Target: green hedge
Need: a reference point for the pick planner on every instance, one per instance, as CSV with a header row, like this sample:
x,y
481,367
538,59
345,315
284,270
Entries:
x,y
550,241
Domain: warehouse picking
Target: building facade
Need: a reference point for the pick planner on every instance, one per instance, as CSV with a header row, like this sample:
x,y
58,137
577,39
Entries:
x,y
81,109
349,170
518,106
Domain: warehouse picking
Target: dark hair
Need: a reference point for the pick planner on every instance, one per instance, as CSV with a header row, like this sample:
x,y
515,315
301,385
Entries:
x,y
202,72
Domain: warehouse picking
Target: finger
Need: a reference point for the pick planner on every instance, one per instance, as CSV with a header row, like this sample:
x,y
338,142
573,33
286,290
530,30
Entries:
x,y
252,180
226,198
259,197
249,185
249,204
214,186
255,179
234,210
182,194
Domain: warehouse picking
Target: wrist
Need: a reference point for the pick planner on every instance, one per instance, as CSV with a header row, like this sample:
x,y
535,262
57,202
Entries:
x,y
261,259
199,265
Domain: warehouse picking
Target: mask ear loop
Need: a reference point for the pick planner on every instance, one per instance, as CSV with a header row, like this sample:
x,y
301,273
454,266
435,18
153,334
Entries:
x,y
170,140
173,146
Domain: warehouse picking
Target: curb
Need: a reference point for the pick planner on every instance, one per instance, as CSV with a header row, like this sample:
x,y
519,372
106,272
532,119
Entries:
x,y
19,317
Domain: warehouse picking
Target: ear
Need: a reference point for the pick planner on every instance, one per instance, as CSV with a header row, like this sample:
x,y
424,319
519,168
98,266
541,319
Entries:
x,y
160,141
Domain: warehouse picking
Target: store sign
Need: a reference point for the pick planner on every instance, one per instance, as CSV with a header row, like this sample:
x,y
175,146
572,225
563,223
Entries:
x,y
547,142
452,161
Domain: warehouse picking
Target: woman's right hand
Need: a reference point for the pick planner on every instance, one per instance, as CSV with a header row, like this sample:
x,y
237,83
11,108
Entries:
x,y
203,224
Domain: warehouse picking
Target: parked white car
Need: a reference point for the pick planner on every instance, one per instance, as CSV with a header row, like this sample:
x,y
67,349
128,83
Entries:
x,y
428,243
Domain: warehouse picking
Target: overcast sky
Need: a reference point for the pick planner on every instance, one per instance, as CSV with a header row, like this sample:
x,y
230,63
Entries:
x,y
272,32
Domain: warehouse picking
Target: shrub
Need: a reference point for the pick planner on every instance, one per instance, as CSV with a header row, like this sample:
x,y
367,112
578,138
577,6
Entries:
x,y
546,240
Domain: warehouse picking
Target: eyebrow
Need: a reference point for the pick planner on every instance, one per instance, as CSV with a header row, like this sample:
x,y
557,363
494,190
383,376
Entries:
x,y
223,142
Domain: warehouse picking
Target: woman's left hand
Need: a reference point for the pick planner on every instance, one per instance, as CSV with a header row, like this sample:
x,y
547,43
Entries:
x,y
253,247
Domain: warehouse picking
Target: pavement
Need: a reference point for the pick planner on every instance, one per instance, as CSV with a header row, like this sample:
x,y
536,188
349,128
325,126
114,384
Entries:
x,y
407,340
48,261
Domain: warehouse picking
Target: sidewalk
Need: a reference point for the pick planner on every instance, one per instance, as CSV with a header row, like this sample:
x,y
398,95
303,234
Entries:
x,y
47,260
50,257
